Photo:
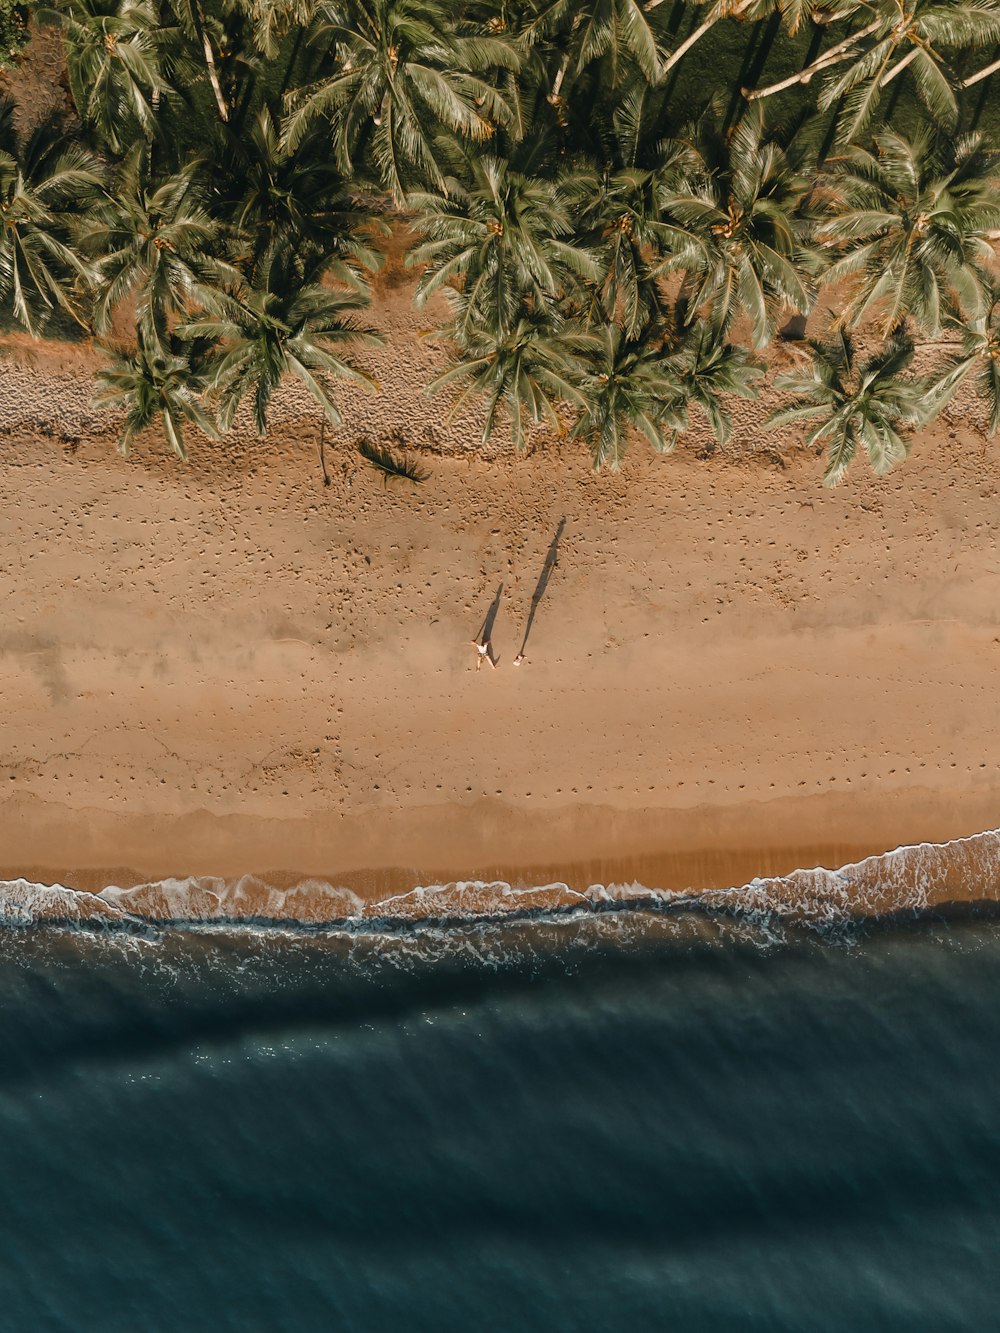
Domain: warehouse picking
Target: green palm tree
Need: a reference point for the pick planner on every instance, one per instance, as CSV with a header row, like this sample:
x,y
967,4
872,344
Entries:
x,y
871,402
978,361
908,223
921,36
286,205
276,329
620,31
42,183
273,19
152,384
619,218
196,25
406,75
501,248
706,370
739,232
627,386
113,54
155,244
532,372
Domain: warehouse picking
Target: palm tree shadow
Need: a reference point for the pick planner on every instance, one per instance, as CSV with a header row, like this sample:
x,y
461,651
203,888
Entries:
x,y
486,633
551,560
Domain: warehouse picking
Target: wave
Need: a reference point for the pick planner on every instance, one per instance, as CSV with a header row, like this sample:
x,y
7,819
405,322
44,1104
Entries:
x,y
909,879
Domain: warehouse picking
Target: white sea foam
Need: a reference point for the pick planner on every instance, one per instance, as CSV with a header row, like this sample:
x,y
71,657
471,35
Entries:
x,y
910,878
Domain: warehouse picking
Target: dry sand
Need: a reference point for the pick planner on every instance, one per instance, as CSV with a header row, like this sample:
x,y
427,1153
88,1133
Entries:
x,y
224,667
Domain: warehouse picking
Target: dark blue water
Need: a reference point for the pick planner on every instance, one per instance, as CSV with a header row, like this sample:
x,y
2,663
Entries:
x,y
531,1127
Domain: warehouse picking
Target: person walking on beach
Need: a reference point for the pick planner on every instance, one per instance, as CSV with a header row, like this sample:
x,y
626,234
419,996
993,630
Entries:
x,y
484,651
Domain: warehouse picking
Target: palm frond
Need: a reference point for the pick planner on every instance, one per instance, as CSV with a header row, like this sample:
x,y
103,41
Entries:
x,y
393,467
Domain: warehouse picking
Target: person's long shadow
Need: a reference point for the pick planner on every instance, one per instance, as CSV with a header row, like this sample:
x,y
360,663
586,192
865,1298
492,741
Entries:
x,y
551,560
486,633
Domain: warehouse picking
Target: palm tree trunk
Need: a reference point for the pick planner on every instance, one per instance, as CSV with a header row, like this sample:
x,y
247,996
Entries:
x,y
198,20
557,82
842,51
898,67
738,11
213,76
983,74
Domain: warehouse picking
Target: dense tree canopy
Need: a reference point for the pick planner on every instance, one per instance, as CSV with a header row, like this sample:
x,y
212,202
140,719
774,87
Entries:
x,y
622,201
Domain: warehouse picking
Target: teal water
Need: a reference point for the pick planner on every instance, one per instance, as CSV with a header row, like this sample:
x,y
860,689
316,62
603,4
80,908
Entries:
x,y
549,1124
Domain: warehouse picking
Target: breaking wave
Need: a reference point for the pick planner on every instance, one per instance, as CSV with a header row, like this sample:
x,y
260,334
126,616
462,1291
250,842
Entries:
x,y
909,880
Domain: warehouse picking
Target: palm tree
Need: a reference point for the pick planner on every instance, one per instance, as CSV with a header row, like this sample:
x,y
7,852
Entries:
x,y
739,233
113,53
617,30
405,74
149,384
924,31
706,368
276,329
915,35
871,402
628,386
41,184
619,219
285,203
910,222
531,371
978,361
274,19
507,240
156,245
195,25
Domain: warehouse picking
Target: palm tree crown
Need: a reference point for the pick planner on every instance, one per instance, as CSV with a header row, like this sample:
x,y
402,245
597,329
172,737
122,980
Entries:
x,y
41,183
869,402
404,70
533,371
114,60
740,234
978,361
506,239
913,35
908,222
152,384
276,329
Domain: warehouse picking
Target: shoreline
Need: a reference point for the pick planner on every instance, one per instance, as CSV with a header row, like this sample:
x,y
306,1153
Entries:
x,y
694,852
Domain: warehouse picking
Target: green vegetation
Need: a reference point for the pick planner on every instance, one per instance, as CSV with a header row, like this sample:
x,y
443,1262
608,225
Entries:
x,y
613,195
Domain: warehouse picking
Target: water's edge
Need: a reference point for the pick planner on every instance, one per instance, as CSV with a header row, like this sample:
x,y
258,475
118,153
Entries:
x,y
908,880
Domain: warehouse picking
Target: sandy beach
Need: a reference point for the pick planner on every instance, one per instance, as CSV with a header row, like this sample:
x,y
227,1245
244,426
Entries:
x,y
226,667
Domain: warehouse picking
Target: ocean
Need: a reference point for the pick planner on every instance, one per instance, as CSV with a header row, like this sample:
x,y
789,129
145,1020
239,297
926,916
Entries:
x,y
624,1112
